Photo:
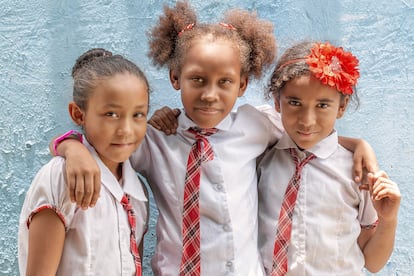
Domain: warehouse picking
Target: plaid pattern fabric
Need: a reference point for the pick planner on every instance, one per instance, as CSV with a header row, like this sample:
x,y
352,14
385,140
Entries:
x,y
284,228
200,151
133,241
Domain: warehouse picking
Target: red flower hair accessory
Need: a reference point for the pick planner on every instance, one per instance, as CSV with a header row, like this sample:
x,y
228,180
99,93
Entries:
x,y
334,67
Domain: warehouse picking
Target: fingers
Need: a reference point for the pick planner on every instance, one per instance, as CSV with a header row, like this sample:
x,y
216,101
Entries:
x,y
96,190
88,190
84,187
71,183
165,119
357,169
383,187
79,190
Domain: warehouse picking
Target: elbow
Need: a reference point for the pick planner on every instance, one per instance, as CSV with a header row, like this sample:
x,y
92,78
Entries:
x,y
374,268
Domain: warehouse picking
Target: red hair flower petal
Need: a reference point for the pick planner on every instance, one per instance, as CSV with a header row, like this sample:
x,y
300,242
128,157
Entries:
x,y
334,67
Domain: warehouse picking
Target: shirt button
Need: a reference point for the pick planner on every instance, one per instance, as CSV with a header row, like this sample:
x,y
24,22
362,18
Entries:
x,y
229,265
219,187
227,228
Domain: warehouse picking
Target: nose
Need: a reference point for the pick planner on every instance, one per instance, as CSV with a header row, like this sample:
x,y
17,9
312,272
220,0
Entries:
x,y
125,126
210,93
307,117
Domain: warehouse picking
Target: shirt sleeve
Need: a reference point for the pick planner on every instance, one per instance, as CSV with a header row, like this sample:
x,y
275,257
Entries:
x,y
274,118
140,158
367,215
48,191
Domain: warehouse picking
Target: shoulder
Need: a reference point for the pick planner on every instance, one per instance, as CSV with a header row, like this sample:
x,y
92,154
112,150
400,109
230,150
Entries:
x,y
53,170
249,114
265,115
48,190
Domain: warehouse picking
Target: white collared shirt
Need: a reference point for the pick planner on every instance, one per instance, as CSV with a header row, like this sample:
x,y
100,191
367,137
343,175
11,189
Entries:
x,y
228,193
97,240
329,210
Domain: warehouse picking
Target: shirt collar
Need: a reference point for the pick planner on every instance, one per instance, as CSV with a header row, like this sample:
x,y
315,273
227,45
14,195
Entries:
x,y
185,123
322,150
131,184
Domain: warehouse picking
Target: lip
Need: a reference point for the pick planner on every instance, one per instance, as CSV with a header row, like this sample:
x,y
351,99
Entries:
x,y
209,110
305,133
121,145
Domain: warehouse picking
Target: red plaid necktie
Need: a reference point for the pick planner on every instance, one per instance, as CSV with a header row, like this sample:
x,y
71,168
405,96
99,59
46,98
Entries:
x,y
200,151
133,241
284,228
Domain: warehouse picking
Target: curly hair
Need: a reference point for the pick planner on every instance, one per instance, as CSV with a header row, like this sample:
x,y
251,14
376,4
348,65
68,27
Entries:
x,y
95,65
253,37
286,70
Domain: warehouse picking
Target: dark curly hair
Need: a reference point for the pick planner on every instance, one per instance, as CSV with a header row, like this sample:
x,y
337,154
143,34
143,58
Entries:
x,y
96,64
253,37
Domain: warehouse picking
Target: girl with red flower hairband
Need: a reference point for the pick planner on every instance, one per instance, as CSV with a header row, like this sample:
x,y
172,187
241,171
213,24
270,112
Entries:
x,y
313,218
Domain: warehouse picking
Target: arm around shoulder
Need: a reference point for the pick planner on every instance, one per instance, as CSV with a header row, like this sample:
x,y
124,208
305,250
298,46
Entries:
x,y
82,172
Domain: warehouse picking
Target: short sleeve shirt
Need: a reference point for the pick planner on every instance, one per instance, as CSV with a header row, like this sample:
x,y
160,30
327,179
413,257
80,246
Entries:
x,y
97,240
328,214
228,192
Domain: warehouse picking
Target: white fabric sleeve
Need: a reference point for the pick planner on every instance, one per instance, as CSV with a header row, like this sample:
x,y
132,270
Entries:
x,y
48,190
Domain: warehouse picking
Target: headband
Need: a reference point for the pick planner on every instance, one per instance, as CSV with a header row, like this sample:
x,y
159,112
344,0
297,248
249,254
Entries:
x,y
191,25
332,66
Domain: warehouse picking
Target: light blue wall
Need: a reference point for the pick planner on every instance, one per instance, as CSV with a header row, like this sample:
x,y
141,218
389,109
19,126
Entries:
x,y
39,41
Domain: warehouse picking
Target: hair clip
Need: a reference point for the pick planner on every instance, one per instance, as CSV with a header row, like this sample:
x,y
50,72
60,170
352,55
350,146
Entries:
x,y
187,28
228,26
334,67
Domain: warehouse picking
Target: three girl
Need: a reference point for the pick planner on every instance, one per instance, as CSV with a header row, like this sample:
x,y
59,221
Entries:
x,y
208,169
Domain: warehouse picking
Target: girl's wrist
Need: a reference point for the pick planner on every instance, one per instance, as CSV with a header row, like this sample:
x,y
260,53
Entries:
x,y
71,134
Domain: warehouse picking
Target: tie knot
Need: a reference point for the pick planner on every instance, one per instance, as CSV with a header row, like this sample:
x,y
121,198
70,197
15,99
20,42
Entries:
x,y
125,203
202,131
296,159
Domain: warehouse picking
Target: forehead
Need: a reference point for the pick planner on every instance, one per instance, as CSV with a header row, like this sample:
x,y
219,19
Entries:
x,y
310,87
208,52
121,86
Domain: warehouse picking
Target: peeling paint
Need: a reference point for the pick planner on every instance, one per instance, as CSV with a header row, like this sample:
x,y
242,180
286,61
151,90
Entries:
x,y
40,40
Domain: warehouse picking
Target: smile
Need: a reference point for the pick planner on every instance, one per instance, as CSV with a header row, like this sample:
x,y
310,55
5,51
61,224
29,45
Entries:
x,y
123,144
208,109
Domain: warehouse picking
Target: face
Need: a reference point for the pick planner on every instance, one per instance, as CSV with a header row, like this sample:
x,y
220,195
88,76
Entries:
x,y
115,120
309,110
210,81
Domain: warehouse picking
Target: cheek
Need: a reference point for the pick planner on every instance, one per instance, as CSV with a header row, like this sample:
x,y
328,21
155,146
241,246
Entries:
x,y
140,130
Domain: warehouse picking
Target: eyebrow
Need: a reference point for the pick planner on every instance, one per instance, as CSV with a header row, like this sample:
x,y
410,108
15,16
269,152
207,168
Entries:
x,y
319,100
114,105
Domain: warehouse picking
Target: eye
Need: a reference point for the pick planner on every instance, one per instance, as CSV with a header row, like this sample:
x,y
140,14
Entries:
x,y
111,114
294,103
323,105
197,80
140,115
226,81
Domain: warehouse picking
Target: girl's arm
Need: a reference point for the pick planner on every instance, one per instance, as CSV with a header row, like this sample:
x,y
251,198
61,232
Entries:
x,y
46,239
365,160
377,244
83,175
165,120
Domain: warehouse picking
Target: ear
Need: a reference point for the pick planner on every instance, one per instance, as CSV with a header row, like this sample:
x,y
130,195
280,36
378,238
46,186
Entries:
x,y
277,102
342,106
76,114
175,79
244,81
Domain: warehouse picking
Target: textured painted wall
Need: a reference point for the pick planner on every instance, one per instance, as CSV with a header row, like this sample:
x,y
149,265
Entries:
x,y
39,41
